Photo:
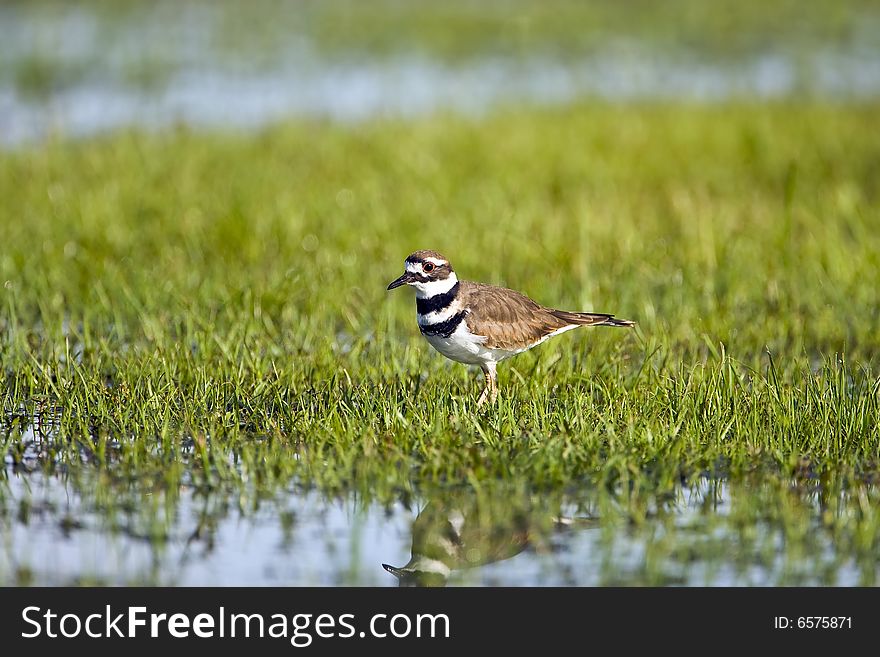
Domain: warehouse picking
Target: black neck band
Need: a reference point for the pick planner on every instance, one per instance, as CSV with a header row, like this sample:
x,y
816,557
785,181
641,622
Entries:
x,y
437,302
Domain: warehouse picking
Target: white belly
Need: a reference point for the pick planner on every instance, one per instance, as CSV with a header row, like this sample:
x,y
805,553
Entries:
x,y
465,347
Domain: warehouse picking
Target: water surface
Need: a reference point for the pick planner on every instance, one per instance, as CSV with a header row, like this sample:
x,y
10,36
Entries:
x,y
85,528
75,72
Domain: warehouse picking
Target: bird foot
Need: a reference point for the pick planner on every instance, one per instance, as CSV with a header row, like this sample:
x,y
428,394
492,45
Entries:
x,y
490,392
488,395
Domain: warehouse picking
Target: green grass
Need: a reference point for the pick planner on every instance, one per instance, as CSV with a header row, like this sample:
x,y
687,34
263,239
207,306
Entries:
x,y
143,44
209,310
464,28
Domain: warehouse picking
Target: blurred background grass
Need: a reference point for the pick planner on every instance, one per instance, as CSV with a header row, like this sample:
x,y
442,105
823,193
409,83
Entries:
x,y
720,220
82,68
465,28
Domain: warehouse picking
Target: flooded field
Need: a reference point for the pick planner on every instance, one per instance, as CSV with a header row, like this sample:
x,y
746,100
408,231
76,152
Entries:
x,y
205,382
79,70
88,527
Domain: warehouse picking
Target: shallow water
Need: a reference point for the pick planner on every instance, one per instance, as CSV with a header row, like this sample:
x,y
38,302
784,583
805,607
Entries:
x,y
71,73
56,530
74,521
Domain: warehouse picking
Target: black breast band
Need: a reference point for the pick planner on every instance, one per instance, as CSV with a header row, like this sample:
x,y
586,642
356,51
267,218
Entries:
x,y
443,329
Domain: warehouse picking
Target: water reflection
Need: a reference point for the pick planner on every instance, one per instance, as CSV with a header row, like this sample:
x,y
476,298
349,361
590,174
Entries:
x,y
77,524
470,529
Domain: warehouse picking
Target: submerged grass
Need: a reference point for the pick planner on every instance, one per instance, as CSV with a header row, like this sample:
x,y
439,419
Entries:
x,y
210,310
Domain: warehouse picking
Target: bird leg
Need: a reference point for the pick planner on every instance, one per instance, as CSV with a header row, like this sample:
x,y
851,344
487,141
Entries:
x,y
490,392
485,394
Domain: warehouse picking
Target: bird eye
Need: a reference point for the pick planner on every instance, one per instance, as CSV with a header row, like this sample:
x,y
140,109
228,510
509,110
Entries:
x,y
428,267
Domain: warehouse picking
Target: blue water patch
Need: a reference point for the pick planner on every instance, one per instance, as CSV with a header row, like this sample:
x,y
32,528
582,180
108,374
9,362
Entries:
x,y
62,75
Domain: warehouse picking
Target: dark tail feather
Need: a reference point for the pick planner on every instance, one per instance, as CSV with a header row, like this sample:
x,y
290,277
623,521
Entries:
x,y
590,319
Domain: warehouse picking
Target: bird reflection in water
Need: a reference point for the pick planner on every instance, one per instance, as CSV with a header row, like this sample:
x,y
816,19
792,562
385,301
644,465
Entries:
x,y
468,531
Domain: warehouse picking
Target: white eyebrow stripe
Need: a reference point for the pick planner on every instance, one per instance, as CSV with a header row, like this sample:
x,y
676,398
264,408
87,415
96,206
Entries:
x,y
436,262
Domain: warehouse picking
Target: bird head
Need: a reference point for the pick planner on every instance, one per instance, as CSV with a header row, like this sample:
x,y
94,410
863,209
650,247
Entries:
x,y
428,272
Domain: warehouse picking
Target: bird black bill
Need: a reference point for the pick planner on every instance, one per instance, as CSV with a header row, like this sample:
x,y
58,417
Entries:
x,y
403,279
397,572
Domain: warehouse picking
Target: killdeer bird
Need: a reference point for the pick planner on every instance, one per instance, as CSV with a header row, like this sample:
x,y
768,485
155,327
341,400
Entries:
x,y
480,324
449,537
464,532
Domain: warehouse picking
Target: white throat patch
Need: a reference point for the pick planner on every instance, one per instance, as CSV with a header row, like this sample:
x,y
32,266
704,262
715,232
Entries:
x,y
432,288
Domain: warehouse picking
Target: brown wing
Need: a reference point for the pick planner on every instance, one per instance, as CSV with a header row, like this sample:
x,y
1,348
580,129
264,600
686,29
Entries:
x,y
591,319
511,319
